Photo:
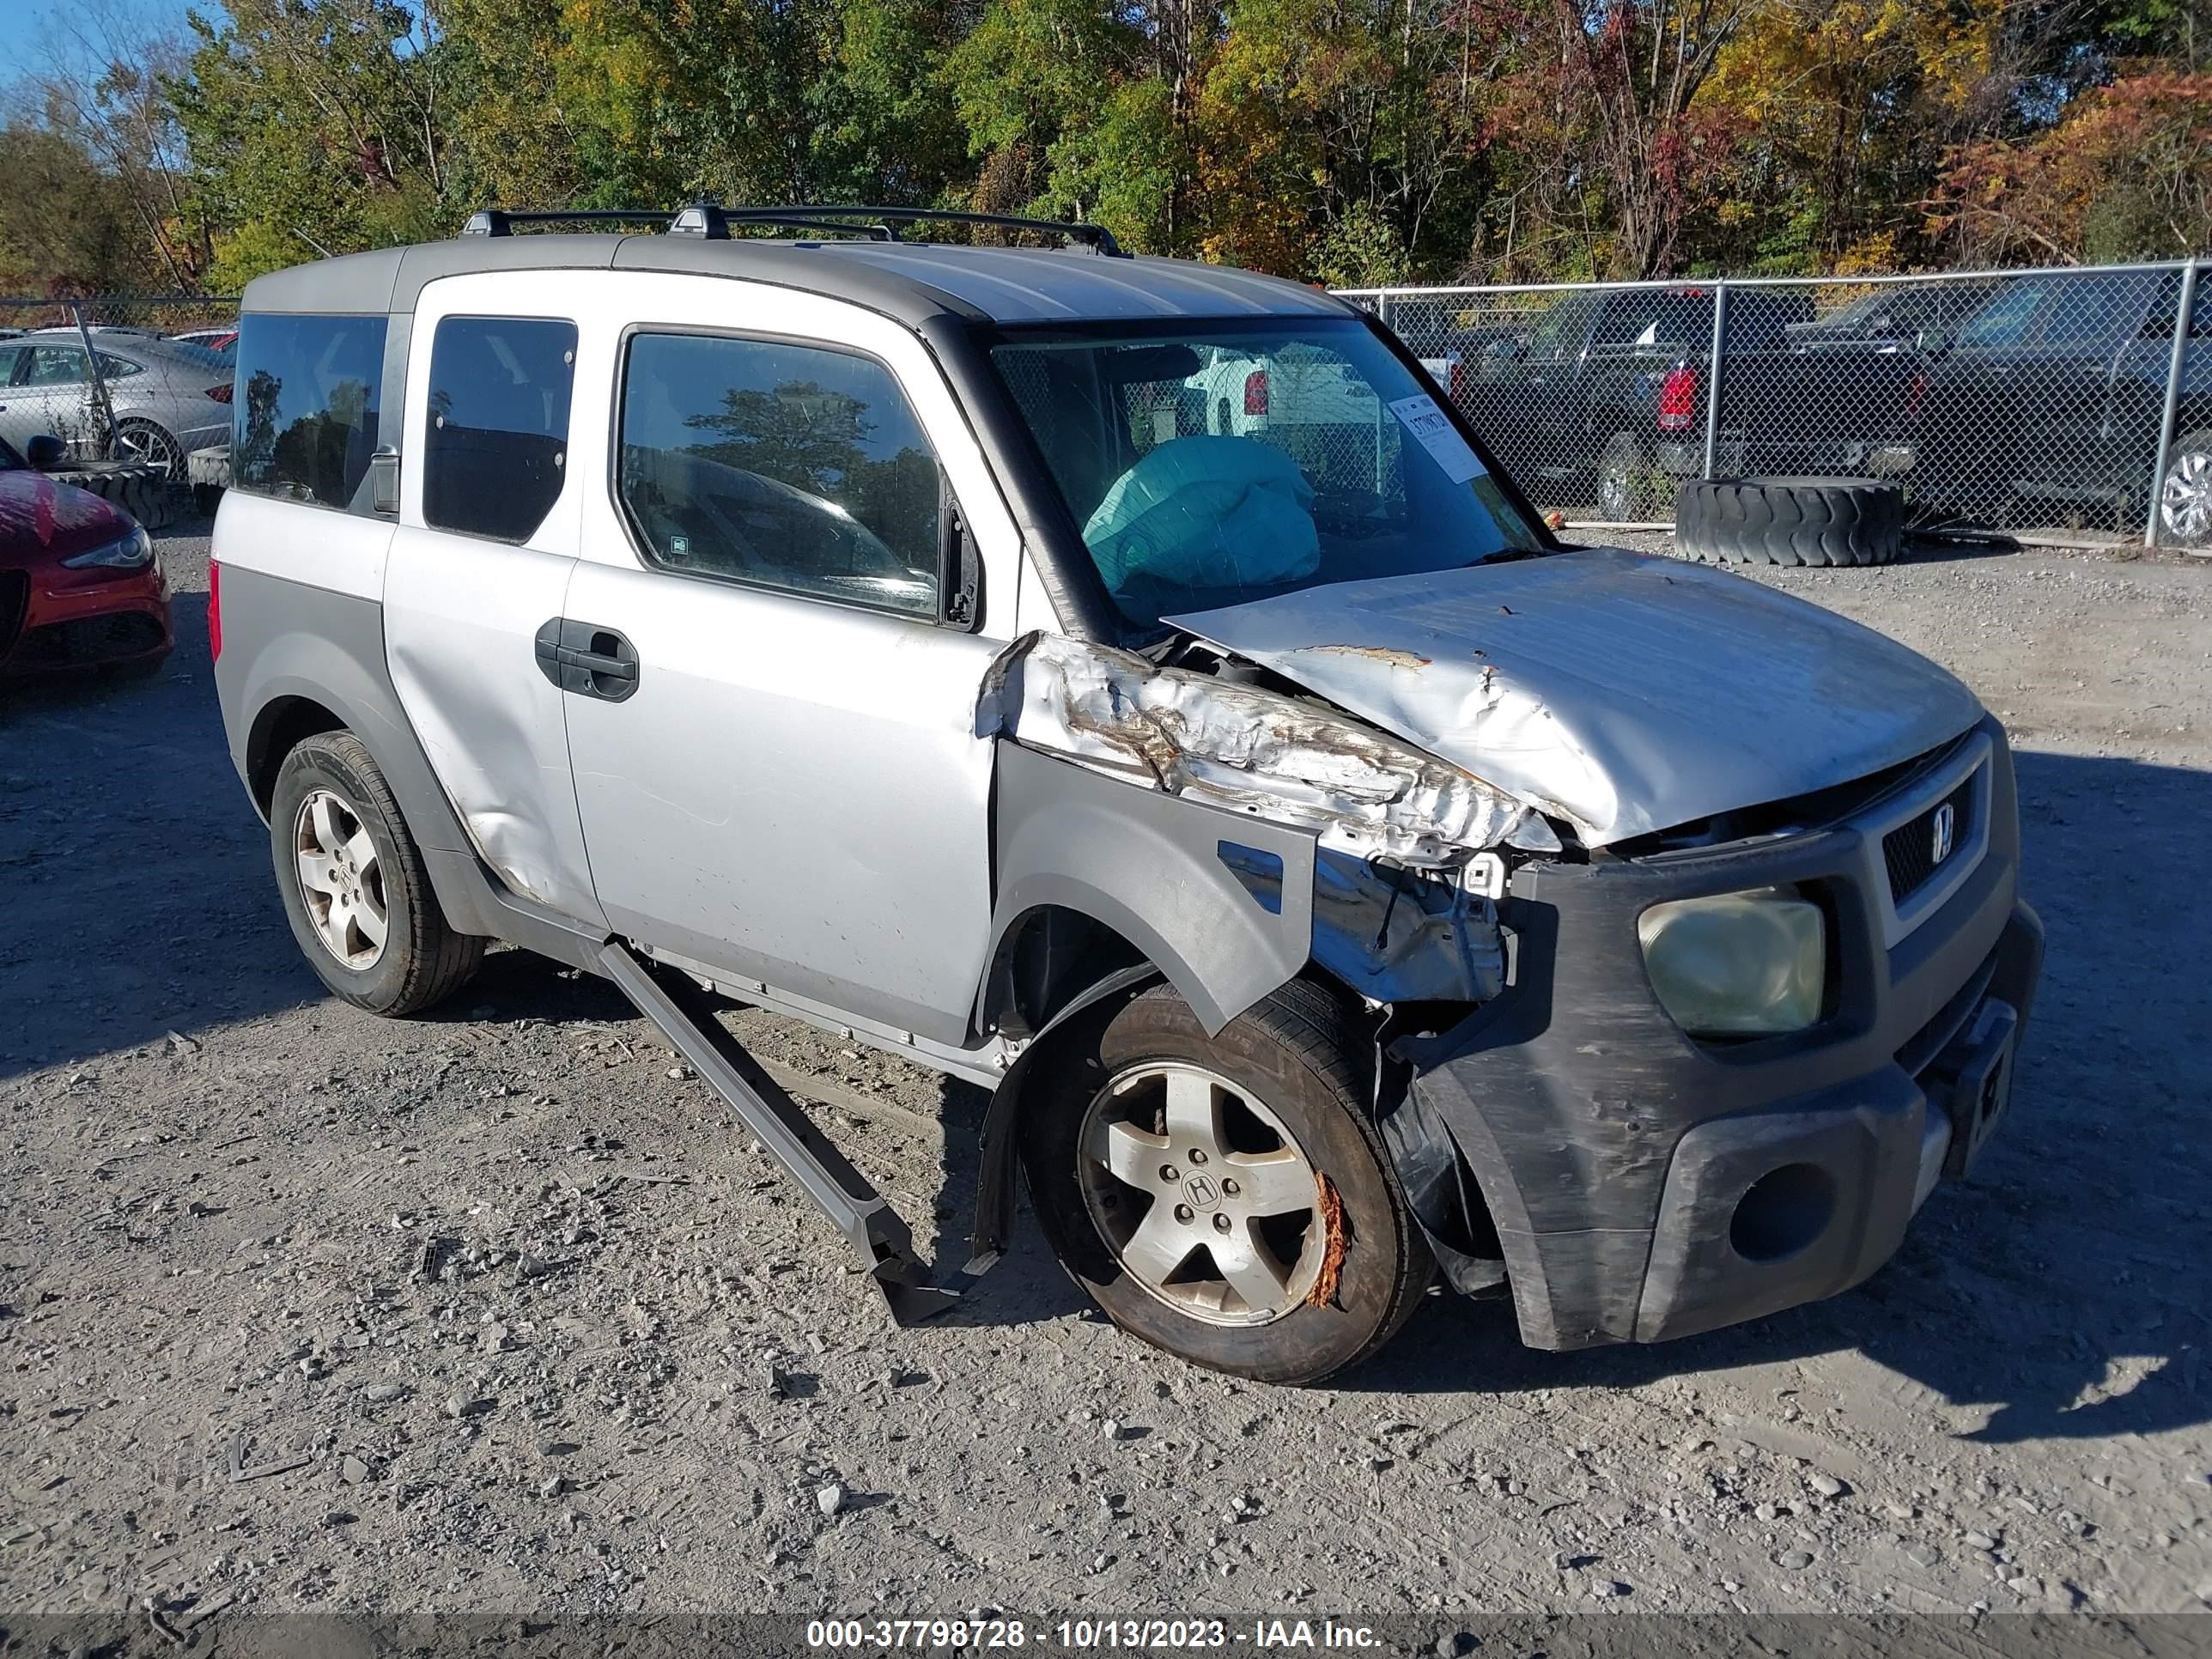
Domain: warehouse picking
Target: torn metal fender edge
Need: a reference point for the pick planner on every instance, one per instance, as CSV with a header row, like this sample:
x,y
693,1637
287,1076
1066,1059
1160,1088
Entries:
x,y
1209,739
994,1179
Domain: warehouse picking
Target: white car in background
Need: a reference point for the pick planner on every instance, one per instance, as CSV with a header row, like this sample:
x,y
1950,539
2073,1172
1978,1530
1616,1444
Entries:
x,y
169,398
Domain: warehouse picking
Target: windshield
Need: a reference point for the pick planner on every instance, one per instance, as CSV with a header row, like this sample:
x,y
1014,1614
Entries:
x,y
1214,462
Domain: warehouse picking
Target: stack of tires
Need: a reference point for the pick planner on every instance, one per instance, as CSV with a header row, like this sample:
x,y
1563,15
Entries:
x,y
145,494
1802,521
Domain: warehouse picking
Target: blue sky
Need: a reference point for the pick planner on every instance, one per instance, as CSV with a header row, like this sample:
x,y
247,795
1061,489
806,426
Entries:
x,y
41,30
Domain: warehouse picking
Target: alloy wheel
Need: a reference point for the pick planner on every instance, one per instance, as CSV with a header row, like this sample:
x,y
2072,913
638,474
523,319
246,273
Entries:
x,y
2184,499
1203,1195
341,880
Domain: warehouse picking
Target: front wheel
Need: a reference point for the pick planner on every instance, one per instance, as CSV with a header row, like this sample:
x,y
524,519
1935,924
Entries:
x,y
354,890
1227,1198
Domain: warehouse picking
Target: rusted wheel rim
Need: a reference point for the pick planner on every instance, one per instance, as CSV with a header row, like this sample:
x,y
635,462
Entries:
x,y
1202,1194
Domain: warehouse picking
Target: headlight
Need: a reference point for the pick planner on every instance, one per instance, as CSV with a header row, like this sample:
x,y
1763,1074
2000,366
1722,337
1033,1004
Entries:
x,y
133,552
1738,965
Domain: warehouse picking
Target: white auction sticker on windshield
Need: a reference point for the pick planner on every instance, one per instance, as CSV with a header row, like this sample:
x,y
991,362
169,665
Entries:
x,y
1438,436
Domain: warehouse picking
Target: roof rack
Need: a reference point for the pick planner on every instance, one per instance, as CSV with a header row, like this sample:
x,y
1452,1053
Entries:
x,y
708,218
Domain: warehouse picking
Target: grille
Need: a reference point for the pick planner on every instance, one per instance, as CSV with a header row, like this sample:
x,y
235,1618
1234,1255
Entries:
x,y
1909,850
15,600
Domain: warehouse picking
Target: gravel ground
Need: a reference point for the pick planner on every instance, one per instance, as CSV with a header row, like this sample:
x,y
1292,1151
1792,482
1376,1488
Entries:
x,y
497,1310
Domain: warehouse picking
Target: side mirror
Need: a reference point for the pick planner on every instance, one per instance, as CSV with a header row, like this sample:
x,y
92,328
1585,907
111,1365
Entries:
x,y
384,482
45,452
1935,341
960,571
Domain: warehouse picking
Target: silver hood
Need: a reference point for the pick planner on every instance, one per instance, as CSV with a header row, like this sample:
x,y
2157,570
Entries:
x,y
1624,694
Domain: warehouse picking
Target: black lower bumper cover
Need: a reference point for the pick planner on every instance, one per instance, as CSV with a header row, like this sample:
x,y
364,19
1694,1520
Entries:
x,y
1641,1186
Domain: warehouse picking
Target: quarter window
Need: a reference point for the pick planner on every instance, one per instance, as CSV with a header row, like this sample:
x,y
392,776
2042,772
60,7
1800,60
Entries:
x,y
306,408
788,466
56,365
496,451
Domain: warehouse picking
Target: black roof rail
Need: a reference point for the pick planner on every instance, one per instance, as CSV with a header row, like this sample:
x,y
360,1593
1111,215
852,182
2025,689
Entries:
x,y
708,218
1095,237
705,217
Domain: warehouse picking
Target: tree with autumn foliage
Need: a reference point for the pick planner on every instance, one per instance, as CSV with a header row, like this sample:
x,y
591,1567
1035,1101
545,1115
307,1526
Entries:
x,y
1351,142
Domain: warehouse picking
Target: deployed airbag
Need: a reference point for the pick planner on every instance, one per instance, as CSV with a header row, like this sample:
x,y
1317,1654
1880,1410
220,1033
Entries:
x,y
1205,512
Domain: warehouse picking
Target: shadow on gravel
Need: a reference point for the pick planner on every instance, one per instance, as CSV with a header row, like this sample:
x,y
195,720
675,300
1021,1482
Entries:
x,y
137,898
2062,1290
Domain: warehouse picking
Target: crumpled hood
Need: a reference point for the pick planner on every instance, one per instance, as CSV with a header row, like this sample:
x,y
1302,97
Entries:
x,y
1622,693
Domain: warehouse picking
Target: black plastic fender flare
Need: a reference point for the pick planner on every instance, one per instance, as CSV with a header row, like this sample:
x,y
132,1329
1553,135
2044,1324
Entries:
x,y
995,1180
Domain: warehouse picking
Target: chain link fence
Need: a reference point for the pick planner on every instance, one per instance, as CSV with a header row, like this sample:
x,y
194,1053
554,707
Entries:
x,y
2057,406
2064,406
129,394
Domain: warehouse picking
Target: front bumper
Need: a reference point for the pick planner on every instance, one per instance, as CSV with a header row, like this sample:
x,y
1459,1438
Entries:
x,y
1643,1186
55,620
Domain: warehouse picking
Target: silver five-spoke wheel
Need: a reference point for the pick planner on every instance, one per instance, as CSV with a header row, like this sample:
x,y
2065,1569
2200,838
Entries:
x,y
341,880
1204,1197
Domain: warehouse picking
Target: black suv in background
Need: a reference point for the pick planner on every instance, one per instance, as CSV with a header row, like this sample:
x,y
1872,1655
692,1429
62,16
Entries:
x,y
2052,393
1607,397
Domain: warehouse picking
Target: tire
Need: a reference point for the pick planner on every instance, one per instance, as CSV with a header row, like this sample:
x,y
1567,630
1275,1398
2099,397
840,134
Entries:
x,y
420,959
2185,496
1801,521
145,494
1622,494
147,444
1350,1272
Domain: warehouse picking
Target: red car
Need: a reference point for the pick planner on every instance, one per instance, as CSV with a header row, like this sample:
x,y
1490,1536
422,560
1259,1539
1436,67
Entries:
x,y
81,586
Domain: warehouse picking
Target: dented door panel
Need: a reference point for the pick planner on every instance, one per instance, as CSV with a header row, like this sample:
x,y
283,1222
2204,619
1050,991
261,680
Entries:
x,y
459,618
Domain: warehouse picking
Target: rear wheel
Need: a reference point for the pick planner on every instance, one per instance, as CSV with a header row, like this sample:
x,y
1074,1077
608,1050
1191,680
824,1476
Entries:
x,y
354,890
1227,1198
144,443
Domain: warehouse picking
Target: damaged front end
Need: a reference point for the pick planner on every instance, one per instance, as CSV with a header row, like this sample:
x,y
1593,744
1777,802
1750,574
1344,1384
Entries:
x,y
1208,737
1410,852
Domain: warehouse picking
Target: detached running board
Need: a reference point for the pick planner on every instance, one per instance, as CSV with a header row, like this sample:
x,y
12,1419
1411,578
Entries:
x,y
674,1003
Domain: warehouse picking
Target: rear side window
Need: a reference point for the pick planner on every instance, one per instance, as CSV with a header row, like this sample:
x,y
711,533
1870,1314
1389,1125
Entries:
x,y
785,466
56,365
305,407
496,451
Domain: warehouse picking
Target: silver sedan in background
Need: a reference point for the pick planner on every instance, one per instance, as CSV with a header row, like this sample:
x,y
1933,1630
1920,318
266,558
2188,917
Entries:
x,y
170,396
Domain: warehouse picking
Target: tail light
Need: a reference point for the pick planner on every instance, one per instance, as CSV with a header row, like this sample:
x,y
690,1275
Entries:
x,y
1915,393
214,609
220,393
1678,399
1456,382
1255,392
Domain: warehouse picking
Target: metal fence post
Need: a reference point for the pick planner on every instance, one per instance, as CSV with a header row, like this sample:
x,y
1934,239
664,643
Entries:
x,y
2184,309
1713,389
99,385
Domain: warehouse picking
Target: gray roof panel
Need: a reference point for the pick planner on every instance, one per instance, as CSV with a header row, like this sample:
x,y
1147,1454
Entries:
x,y
911,280
1036,285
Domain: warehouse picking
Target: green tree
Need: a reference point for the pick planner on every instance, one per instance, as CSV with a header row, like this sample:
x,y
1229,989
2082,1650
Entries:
x,y
315,125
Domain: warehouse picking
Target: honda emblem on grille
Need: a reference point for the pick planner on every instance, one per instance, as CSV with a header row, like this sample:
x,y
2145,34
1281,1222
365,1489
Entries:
x,y
1942,829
